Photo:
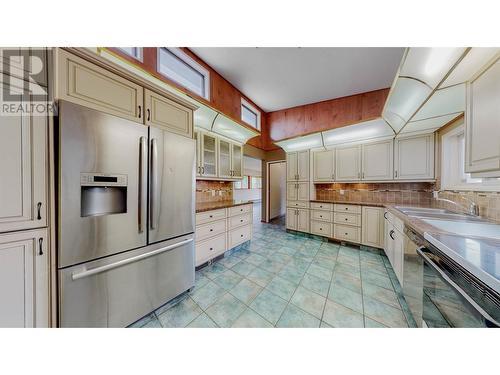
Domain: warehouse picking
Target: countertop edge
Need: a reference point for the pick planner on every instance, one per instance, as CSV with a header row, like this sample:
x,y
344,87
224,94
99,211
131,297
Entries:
x,y
219,205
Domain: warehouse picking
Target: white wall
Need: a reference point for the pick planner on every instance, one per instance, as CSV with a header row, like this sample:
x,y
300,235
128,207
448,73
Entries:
x,y
251,167
277,189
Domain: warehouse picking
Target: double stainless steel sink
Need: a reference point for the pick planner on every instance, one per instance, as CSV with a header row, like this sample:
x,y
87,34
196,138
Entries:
x,y
458,223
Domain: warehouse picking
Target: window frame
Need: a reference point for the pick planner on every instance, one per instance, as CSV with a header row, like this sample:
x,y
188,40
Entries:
x,y
241,182
254,110
189,61
447,174
139,49
252,178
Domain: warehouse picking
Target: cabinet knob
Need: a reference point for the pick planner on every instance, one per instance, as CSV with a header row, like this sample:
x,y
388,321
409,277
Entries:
x,y
241,235
211,230
346,234
211,248
345,219
211,216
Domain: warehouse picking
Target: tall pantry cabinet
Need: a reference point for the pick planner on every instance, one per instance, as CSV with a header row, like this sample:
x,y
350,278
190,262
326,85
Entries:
x,y
24,247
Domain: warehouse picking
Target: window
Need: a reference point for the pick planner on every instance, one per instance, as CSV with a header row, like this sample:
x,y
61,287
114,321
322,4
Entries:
x,y
453,172
135,52
242,184
249,114
255,183
176,65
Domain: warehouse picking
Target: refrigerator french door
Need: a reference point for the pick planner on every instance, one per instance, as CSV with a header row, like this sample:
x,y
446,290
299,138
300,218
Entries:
x,y
125,218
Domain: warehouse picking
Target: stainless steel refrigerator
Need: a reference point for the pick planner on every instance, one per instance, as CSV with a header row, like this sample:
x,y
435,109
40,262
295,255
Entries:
x,y
125,217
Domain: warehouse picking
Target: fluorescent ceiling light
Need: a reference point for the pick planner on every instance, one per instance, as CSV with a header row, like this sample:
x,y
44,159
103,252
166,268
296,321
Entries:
x,y
428,125
442,102
475,59
405,98
301,143
366,130
430,64
231,129
204,117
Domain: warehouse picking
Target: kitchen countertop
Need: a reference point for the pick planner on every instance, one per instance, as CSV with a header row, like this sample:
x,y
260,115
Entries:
x,y
209,206
360,203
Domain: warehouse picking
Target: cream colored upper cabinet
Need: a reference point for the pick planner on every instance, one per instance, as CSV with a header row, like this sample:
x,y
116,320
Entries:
x,y
23,166
167,114
372,227
197,137
291,166
24,280
297,166
224,158
208,152
414,157
377,161
323,166
84,83
236,160
303,191
482,137
291,191
348,163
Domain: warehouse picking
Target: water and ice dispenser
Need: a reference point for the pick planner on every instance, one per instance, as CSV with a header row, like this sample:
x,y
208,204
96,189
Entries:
x,y
103,194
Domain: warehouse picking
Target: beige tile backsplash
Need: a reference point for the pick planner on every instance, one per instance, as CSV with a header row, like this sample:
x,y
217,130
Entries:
x,y
223,191
489,203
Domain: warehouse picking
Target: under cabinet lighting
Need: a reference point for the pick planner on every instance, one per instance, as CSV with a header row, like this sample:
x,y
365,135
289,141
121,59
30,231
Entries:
x,y
472,63
442,102
359,132
302,143
204,117
230,129
428,125
430,64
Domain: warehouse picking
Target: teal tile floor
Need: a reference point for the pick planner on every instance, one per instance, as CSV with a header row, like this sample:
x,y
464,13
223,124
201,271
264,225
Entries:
x,y
282,279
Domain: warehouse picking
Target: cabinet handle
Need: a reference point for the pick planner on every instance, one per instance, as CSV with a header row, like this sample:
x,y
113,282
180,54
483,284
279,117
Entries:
x,y
39,214
40,246
149,114
202,170
391,234
140,111
395,173
363,175
385,215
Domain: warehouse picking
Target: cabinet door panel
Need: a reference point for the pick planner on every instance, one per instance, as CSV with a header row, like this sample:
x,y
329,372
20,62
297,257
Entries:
x,y
237,161
414,158
167,114
303,191
348,163
291,218
291,191
303,165
323,165
197,137
377,161
303,220
372,227
291,166
23,168
24,289
208,155
224,158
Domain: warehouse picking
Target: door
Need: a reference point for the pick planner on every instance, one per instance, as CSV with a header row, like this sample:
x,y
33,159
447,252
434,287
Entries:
x,y
224,158
291,218
23,168
24,279
171,203
208,155
291,191
167,114
291,166
323,165
237,160
348,163
303,191
482,120
414,157
97,219
377,161
303,220
277,189
303,165
372,227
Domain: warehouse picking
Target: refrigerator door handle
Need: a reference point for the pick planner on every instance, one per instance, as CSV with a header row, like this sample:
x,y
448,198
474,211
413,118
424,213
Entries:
x,y
154,183
142,158
107,267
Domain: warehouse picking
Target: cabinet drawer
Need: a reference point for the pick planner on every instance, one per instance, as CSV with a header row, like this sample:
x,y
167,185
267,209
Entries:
x,y
297,204
321,228
210,229
208,216
347,233
239,235
238,210
238,221
398,223
351,208
206,250
348,219
322,206
322,215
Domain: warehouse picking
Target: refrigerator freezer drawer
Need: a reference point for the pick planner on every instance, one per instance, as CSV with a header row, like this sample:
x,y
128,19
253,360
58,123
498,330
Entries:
x,y
118,290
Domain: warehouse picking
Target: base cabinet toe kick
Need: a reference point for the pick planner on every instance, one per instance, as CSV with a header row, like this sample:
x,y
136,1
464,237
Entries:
x,y
220,230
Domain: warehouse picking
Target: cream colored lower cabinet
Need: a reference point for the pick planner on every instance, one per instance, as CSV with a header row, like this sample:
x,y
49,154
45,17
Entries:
x,y
347,233
210,248
321,228
291,218
394,245
24,279
372,227
297,219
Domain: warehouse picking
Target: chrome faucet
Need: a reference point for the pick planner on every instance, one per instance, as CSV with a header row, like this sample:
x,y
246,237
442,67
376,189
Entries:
x,y
473,208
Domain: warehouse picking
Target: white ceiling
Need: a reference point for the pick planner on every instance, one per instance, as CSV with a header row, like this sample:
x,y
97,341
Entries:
x,y
278,78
